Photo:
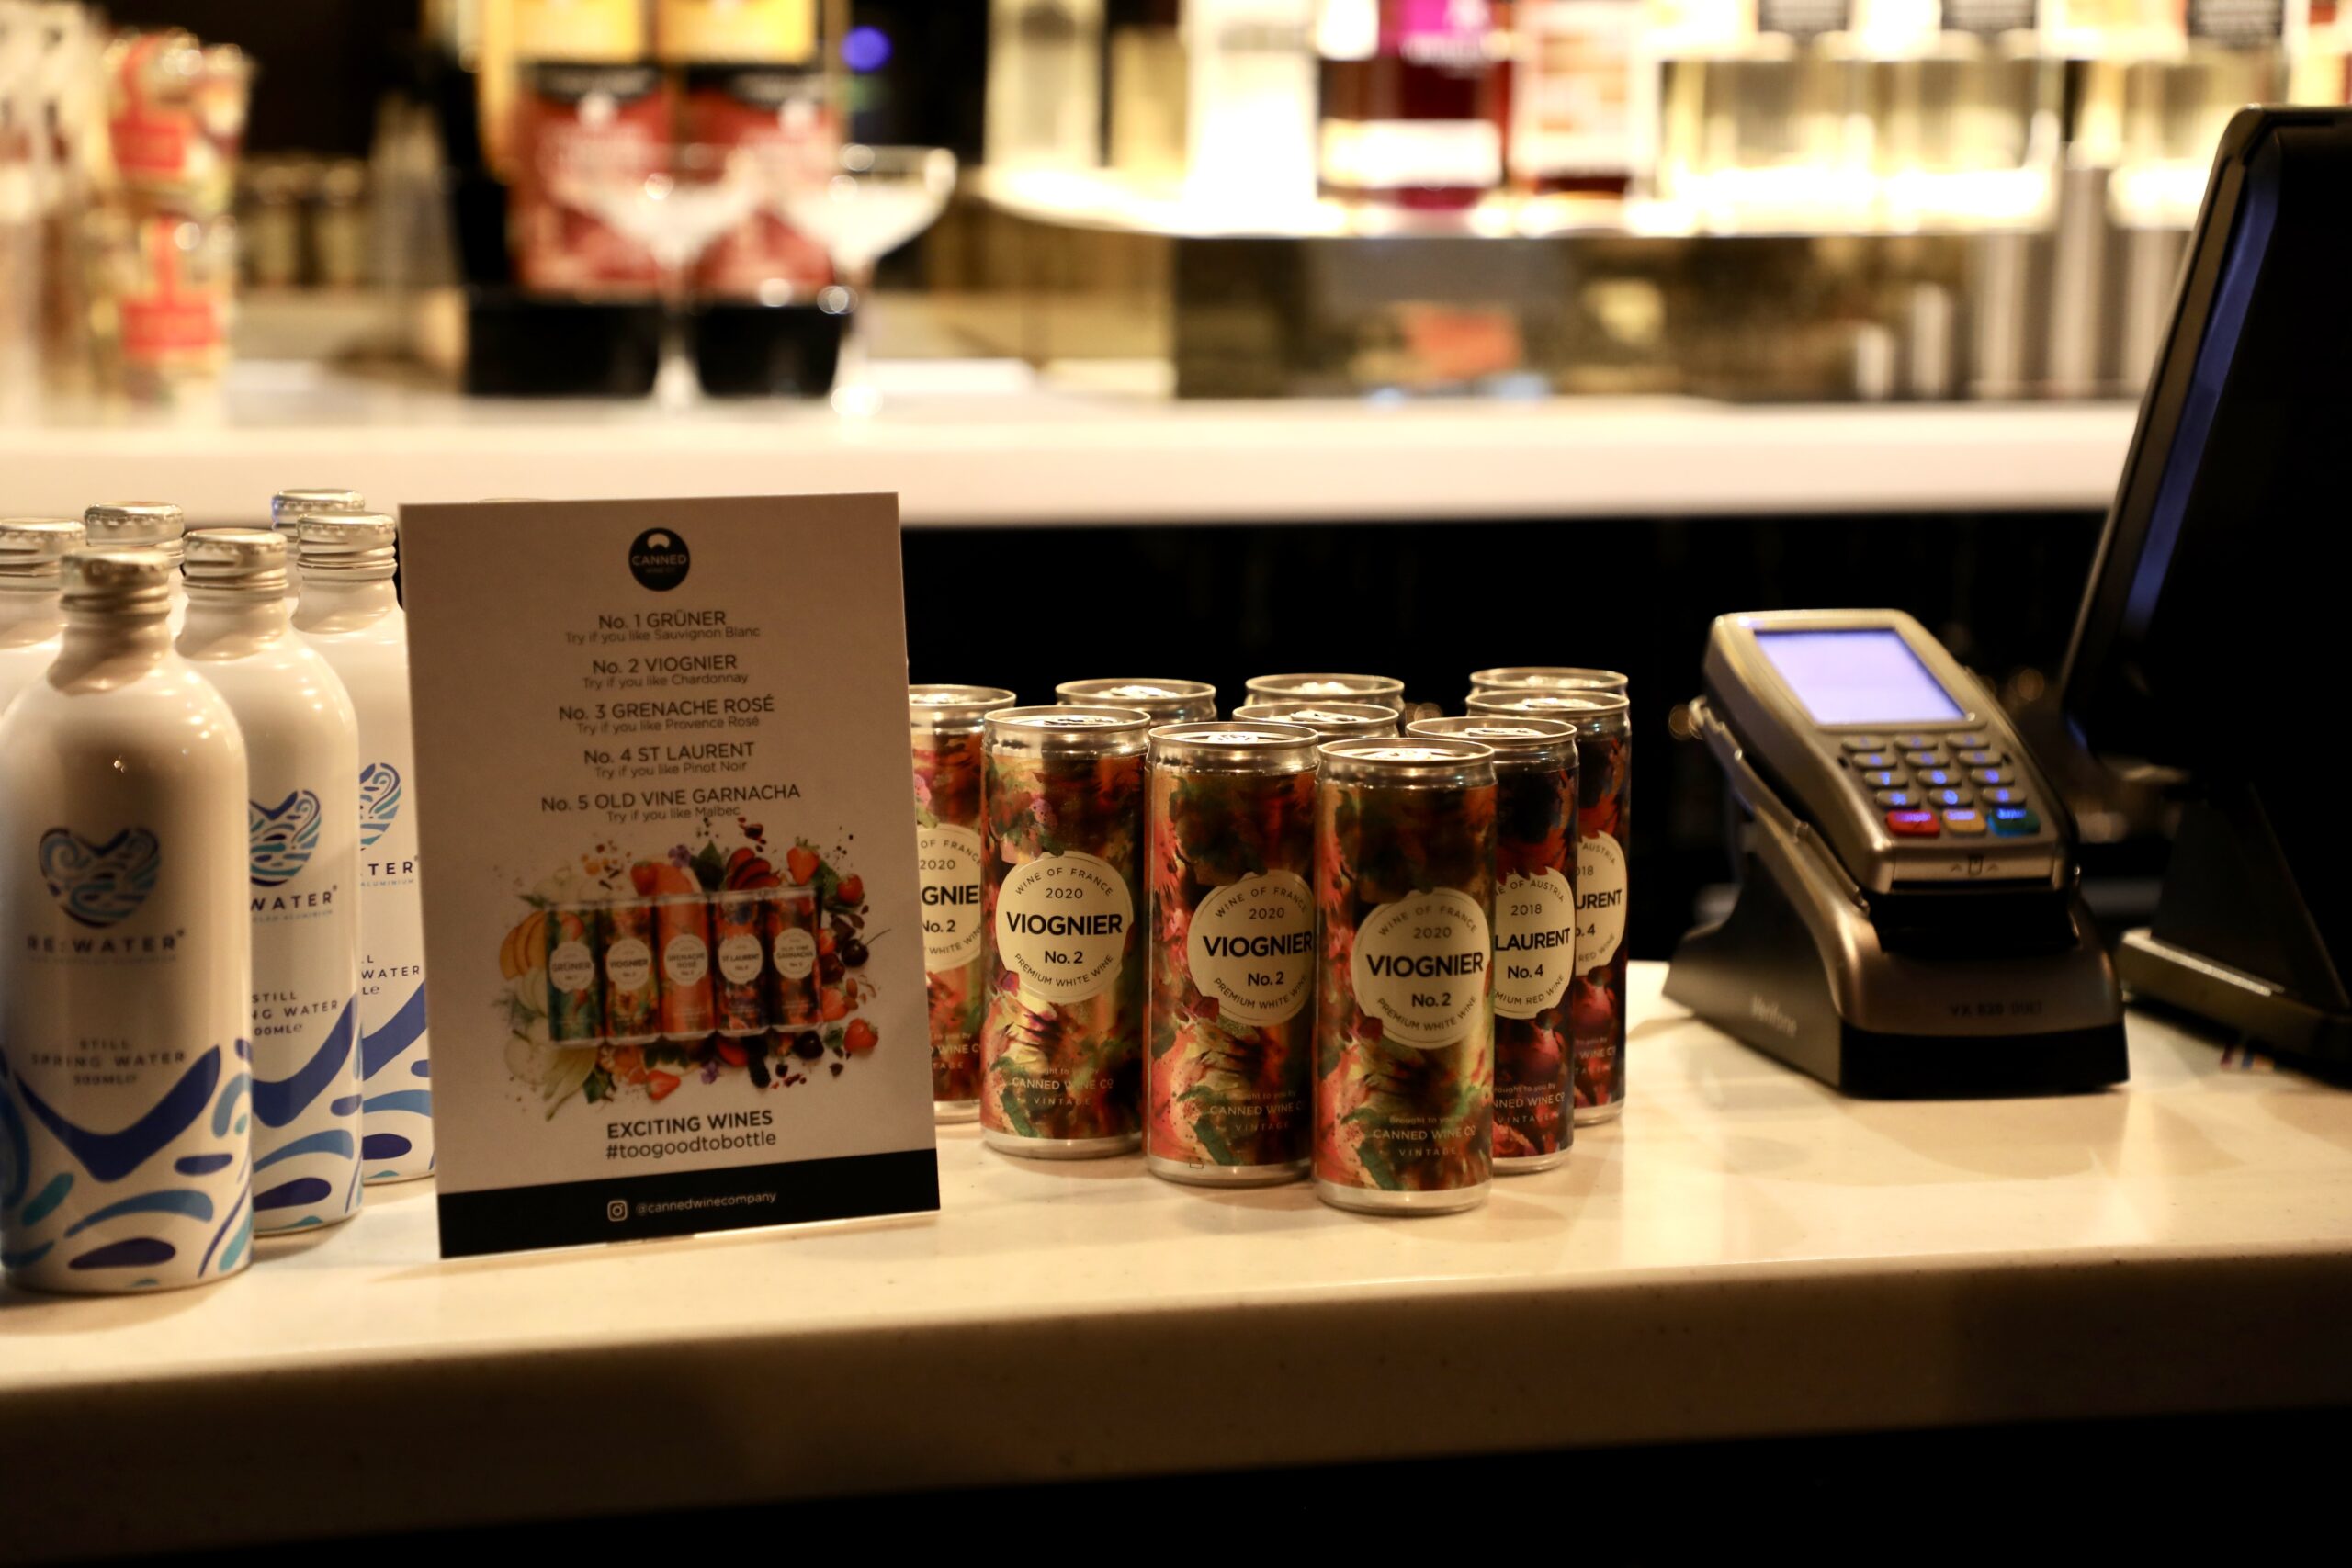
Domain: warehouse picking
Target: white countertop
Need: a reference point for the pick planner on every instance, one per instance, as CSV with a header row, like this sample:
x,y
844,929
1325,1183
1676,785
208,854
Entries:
x,y
1744,1254
984,442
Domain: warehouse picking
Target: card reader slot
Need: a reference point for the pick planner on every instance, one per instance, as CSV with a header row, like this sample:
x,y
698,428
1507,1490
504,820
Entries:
x,y
1985,920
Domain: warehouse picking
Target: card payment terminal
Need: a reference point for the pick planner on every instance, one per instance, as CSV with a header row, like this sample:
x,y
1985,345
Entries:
x,y
1907,923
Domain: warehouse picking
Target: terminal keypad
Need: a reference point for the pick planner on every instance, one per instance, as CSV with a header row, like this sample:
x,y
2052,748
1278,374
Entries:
x,y
1929,786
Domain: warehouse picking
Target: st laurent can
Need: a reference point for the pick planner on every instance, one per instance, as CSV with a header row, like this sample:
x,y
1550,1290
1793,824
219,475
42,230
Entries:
x,y
1405,895
1535,930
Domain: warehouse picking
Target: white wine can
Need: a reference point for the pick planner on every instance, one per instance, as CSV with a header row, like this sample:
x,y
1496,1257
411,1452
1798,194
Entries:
x,y
303,872
348,612
126,1085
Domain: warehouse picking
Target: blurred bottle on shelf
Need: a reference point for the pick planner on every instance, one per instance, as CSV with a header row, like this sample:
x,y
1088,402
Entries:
x,y
1414,104
1250,92
750,78
1584,98
1045,85
1146,72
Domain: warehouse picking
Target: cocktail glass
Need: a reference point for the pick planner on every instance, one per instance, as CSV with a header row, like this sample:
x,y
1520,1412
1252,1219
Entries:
x,y
861,203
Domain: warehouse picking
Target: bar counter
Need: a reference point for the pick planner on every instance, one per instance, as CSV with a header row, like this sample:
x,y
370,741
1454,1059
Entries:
x,y
1744,1254
985,443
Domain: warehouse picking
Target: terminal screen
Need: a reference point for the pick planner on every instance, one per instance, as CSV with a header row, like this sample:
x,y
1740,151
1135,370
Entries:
x,y
1866,676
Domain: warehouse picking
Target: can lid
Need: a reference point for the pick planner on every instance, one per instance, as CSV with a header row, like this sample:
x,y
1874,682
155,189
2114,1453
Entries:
x,y
1100,731
124,581
1332,720
1325,685
1417,760
938,706
236,558
125,524
1522,739
1572,677
1137,694
1578,708
36,546
288,507
1240,745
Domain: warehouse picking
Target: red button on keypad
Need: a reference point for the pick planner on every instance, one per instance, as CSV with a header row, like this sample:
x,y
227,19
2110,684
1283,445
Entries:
x,y
1913,824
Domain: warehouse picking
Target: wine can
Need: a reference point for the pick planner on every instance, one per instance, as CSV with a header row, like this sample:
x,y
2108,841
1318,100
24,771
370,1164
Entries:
x,y
1330,720
682,939
1228,1080
575,996
946,725
1604,842
1385,690
1167,702
796,1002
1405,895
632,979
739,951
1536,932
1061,1043
1545,678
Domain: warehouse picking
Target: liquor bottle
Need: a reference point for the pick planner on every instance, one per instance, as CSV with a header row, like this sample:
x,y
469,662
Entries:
x,y
1250,103
126,967
1581,98
1414,104
1963,107
1044,88
32,572
303,851
348,612
156,525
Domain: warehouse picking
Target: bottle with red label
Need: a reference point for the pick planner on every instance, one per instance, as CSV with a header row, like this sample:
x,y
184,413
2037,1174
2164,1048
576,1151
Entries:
x,y
1415,102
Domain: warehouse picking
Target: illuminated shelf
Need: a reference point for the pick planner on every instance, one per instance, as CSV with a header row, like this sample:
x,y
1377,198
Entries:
x,y
1743,1255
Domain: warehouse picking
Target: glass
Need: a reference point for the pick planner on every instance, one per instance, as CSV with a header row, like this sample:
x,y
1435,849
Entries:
x,y
861,203
675,201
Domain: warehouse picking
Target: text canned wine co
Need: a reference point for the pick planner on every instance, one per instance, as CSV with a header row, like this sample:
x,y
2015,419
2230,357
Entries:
x,y
946,726
1229,1054
1535,930
1061,1044
1604,840
1405,875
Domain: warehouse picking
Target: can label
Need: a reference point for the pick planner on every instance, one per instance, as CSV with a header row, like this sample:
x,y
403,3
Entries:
x,y
1536,854
575,1001
1228,1079
791,929
740,992
1061,1044
689,1009
954,907
1596,998
632,992
1404,1062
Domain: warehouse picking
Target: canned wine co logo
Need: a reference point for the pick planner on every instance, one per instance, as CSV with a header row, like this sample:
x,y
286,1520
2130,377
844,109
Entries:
x,y
659,559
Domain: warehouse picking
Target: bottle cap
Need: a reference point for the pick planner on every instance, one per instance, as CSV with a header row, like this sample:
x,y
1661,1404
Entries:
x,y
289,507
362,542
236,558
134,525
36,546
120,581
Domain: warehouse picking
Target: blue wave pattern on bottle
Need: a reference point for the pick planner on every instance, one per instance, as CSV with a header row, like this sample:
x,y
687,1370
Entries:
x,y
380,802
283,838
119,1201
100,884
398,1119
301,1120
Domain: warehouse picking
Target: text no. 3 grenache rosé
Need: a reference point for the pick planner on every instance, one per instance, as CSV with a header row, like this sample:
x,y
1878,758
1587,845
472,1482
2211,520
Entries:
x,y
1228,1080
1405,886
946,725
1061,1041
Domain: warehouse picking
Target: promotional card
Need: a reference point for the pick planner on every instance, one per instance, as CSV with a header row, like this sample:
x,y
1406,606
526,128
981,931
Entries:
x,y
673,955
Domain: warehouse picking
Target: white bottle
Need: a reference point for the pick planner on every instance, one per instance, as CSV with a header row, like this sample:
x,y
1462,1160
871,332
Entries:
x,y
348,613
32,571
143,525
303,822
126,967
289,507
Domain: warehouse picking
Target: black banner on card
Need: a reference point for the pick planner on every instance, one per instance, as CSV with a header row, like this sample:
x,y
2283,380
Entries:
x,y
632,1208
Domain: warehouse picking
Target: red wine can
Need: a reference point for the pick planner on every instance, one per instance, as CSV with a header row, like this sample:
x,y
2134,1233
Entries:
x,y
791,929
1604,829
738,955
1536,932
1405,896
947,724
